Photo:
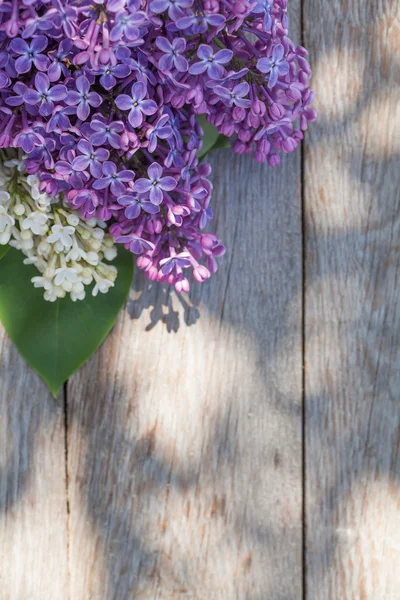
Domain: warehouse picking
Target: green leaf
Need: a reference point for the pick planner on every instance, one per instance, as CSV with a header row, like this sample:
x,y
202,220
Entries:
x,y
211,136
56,338
222,142
4,250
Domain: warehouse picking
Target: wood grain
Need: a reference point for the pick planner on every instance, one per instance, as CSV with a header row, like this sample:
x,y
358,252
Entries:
x,y
33,509
185,429
352,327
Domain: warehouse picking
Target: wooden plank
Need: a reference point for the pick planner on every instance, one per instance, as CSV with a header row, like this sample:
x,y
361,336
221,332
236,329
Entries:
x,y
352,327
185,428
33,507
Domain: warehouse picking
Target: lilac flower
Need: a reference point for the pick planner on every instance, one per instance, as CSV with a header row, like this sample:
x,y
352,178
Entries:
x,y
106,133
27,139
136,244
44,95
134,205
172,54
90,158
235,96
264,6
275,66
109,74
5,81
155,184
30,54
161,130
127,25
136,104
83,98
174,7
179,261
140,66
199,21
115,180
59,121
57,67
210,62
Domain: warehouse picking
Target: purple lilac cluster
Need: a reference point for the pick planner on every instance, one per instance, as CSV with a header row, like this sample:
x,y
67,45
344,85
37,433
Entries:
x,y
102,98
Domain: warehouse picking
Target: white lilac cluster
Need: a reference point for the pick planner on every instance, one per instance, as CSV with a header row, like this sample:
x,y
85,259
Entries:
x,y
67,251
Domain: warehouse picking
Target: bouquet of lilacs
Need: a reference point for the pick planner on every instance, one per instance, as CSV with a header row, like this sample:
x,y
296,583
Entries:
x,y
106,109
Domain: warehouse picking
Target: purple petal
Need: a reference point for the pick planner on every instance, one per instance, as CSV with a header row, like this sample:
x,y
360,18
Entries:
x,y
117,187
41,62
283,68
82,84
166,62
95,169
150,208
58,92
154,171
23,65
102,154
126,200
264,65
42,82
142,185
273,78
163,44
121,71
215,70
109,168
94,99
83,110
102,183
73,98
135,117
167,183
19,46
204,52
278,53
80,163
148,107
98,139
39,44
156,195
32,97
223,56
132,211
179,44
124,102
181,64
126,175
46,108
84,147
223,92
108,81
198,68
215,20
242,89
138,91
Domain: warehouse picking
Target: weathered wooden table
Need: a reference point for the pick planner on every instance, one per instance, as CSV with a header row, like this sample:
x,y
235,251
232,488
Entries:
x,y
242,443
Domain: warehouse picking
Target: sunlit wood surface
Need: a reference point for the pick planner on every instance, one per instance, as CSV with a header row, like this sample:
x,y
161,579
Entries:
x,y
242,442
